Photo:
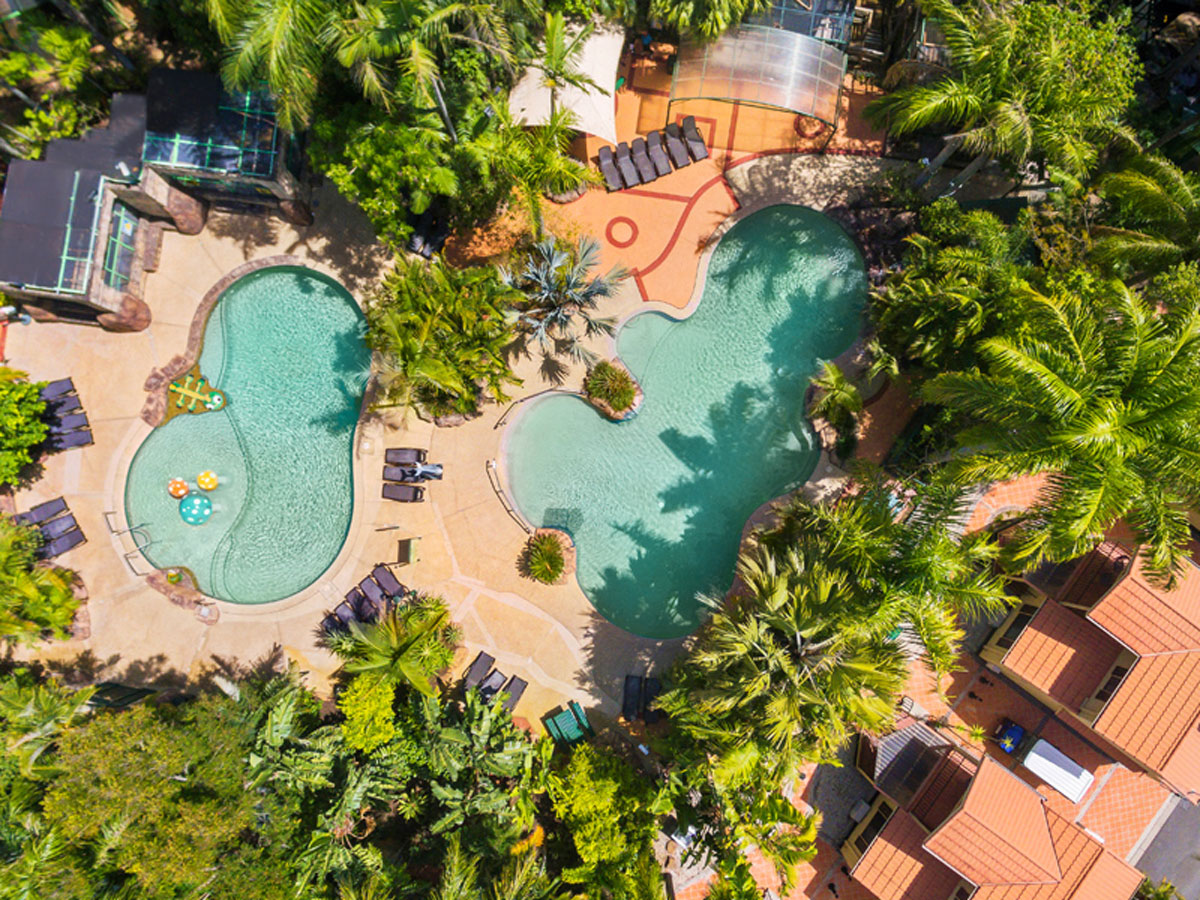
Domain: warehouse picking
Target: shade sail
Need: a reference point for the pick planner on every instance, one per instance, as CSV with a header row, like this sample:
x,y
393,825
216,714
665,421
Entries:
x,y
594,108
765,67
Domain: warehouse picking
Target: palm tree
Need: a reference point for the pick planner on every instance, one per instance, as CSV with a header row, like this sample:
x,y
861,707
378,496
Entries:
x,y
34,598
1160,204
560,294
406,645
35,714
838,401
536,159
559,63
1027,80
1101,392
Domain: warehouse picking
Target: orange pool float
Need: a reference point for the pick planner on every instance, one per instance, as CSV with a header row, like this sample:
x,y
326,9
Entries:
x,y
207,480
177,488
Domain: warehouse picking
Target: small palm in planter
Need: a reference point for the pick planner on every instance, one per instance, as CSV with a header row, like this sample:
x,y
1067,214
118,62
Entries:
x,y
612,385
543,559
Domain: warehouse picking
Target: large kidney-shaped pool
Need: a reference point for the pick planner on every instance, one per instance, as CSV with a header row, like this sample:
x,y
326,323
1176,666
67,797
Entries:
x,y
285,345
656,504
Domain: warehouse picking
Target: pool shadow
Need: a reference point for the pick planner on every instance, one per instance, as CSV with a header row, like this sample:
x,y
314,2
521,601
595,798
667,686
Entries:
x,y
350,355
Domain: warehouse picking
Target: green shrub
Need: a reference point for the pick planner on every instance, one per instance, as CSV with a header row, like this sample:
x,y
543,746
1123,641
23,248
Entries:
x,y
612,385
367,705
544,559
21,425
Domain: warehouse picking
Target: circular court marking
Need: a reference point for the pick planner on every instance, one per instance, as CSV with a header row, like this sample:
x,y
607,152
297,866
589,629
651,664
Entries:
x,y
621,232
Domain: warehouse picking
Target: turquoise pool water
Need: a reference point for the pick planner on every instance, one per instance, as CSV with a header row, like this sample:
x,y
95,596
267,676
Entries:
x,y
656,504
286,346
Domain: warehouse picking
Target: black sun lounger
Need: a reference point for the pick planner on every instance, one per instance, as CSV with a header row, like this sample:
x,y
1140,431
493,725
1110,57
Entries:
x,y
405,493
59,546
69,423
629,172
398,455
399,473
608,168
480,667
515,688
492,684
658,154
676,147
631,698
56,528
345,611
330,624
60,406
695,143
58,388
372,590
369,610
641,159
383,575
42,512
650,692
70,439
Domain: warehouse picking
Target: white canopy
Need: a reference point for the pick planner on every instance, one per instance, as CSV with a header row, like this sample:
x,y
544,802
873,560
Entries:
x,y
594,108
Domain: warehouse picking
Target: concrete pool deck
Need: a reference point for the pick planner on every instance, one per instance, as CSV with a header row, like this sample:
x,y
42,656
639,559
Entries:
x,y
468,543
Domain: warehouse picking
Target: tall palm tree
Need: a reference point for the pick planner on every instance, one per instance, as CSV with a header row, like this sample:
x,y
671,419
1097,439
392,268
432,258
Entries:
x,y
838,400
1101,392
1160,204
1027,80
559,62
405,645
560,295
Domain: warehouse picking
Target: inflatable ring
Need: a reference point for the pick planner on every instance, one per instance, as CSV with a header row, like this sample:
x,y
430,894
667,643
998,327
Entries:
x,y
207,480
195,509
178,488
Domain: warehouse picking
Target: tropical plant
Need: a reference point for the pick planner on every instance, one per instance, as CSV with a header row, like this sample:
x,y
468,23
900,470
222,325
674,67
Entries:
x,y
440,334
21,425
367,705
1163,890
560,295
35,599
705,19
34,713
407,645
523,878
838,401
543,558
1032,80
1155,216
559,61
1100,393
611,384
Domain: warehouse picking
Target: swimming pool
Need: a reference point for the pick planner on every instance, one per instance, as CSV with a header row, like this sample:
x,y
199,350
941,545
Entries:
x,y
656,504
285,344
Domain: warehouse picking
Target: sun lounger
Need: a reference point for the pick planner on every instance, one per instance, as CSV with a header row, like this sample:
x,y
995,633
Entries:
x,y
71,439
404,493
491,685
658,154
397,455
515,688
695,142
650,692
59,546
608,168
60,406
676,146
330,624
42,512
58,388
69,423
56,528
383,575
641,159
631,699
399,473
372,590
345,611
569,726
480,667
369,610
629,172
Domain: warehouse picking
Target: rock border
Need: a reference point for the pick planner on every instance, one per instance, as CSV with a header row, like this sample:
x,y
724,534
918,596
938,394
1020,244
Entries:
x,y
607,411
568,551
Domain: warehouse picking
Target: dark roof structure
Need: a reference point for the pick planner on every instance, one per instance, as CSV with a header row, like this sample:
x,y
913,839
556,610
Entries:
x,y
48,219
192,122
904,759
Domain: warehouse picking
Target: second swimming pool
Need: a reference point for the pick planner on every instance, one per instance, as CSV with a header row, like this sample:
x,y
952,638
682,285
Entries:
x,y
656,504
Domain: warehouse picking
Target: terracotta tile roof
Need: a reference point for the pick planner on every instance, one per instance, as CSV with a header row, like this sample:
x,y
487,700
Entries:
x,y
1153,716
1123,808
1063,654
1089,872
1004,497
999,835
1148,619
897,867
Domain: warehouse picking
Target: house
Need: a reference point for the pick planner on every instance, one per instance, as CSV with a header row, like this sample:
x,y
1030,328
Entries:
x,y
79,228
950,823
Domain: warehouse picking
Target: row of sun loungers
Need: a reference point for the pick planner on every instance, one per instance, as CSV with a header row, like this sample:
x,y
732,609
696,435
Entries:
x,y
68,423
368,601
646,159
399,466
638,698
60,532
490,682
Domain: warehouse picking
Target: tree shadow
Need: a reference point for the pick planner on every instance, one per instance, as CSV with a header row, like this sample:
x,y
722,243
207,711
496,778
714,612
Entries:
x,y
251,231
